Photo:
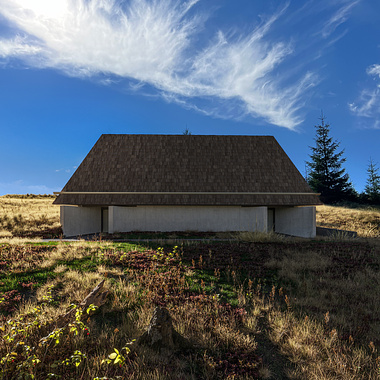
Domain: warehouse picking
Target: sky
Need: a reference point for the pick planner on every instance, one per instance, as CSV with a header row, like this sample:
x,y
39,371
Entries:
x,y
71,70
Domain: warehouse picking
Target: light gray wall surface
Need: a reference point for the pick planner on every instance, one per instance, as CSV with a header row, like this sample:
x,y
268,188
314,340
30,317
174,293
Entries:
x,y
80,220
187,218
296,221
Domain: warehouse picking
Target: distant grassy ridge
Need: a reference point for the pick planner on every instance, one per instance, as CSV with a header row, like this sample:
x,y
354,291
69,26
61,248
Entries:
x,y
28,196
363,220
29,216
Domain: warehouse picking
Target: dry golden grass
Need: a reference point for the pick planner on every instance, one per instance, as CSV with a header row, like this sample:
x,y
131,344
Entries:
x,y
364,221
341,278
28,216
258,237
316,351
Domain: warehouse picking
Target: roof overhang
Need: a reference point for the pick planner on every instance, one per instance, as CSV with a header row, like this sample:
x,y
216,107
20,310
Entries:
x,y
176,193
186,198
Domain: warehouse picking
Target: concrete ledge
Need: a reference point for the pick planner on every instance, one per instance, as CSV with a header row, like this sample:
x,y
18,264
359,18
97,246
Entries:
x,y
323,231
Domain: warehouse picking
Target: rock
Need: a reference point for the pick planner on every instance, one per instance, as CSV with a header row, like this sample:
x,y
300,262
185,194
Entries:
x,y
96,297
161,334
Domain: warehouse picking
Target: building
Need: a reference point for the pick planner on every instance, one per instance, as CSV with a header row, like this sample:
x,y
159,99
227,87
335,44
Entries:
x,y
187,183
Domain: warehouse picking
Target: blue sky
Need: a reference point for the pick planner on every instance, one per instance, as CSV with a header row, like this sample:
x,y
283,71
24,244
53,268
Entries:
x,y
71,70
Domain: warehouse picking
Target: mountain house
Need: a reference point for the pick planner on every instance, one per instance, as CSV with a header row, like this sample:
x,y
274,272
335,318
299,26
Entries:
x,y
187,183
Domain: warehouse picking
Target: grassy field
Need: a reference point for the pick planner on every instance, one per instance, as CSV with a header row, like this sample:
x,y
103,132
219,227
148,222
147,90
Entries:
x,y
260,307
364,221
29,216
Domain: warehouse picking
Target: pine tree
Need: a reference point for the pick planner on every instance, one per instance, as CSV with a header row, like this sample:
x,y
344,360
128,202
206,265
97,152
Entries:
x,y
372,189
326,175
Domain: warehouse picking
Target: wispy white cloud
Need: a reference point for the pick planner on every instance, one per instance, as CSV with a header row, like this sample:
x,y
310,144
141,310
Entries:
x,y
63,170
17,47
374,70
143,41
157,42
368,103
338,18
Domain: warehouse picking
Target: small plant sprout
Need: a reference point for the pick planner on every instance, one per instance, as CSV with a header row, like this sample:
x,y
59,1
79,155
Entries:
x,y
116,358
75,359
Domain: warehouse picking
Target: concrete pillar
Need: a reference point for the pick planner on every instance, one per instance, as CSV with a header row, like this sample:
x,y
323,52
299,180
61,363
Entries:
x,y
77,220
111,228
296,221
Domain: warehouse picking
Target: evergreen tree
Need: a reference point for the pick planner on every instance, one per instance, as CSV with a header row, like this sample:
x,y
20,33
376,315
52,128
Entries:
x,y
326,175
372,189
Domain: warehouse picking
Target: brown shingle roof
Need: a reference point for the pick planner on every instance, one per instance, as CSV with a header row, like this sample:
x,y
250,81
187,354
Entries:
x,y
187,164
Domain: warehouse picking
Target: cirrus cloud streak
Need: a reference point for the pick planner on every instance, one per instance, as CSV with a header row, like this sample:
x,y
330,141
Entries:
x,y
368,103
158,43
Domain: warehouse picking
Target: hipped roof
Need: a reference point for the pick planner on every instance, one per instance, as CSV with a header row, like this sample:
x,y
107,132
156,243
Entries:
x,y
187,170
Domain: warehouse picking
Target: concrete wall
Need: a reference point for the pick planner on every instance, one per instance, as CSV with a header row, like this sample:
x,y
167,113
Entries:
x,y
80,220
296,221
187,218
